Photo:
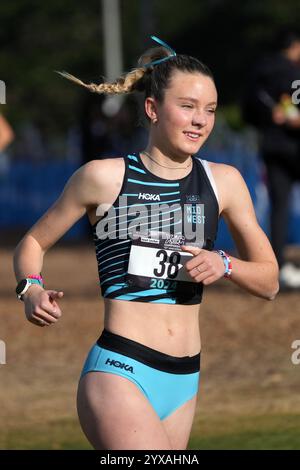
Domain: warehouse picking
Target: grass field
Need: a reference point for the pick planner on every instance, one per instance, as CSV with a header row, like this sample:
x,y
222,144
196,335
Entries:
x,y
259,432
249,394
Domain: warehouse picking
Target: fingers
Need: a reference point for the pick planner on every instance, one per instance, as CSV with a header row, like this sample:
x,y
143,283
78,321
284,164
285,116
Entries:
x,y
205,266
191,249
196,259
53,294
44,310
38,321
201,267
49,305
205,277
40,313
200,273
47,311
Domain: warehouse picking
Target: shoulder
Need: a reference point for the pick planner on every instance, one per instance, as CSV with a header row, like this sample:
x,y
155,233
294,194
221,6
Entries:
x,y
229,182
221,171
98,168
224,171
93,179
98,171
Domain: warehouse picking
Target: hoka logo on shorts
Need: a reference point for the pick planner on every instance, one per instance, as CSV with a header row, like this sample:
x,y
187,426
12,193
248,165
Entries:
x,y
149,197
120,365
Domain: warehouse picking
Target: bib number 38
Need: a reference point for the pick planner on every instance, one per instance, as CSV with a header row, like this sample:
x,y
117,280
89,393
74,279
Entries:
x,y
170,262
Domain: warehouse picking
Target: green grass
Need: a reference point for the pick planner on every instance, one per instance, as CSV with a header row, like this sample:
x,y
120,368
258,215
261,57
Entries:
x,y
260,432
55,435
281,431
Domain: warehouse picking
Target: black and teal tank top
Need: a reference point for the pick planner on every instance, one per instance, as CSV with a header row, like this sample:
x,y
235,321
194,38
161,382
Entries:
x,y
138,238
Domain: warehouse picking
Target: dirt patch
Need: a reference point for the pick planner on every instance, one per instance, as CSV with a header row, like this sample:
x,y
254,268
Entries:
x,y
246,346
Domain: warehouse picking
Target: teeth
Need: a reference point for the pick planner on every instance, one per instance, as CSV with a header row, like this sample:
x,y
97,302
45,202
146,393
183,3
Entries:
x,y
194,136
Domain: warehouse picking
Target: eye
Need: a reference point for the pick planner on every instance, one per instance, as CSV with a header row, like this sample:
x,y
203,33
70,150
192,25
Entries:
x,y
187,106
212,110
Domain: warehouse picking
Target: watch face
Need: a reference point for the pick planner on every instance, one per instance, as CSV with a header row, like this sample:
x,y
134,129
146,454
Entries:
x,y
21,286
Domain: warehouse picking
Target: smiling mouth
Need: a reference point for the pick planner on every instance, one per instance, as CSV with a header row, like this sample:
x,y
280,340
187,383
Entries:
x,y
193,136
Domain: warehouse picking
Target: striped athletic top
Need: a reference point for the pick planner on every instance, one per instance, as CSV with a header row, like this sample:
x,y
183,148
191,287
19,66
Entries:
x,y
138,239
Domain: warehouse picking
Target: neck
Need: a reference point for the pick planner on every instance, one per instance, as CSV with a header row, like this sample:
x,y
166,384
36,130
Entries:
x,y
167,157
167,166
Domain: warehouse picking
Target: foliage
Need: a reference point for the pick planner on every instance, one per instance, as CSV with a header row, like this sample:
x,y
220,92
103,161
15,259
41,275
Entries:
x,y
38,38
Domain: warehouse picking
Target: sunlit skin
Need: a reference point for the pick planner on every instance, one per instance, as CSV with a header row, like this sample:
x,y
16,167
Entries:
x,y
189,105
112,411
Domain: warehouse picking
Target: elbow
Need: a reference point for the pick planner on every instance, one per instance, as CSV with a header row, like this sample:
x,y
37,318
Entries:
x,y
271,295
273,285
27,243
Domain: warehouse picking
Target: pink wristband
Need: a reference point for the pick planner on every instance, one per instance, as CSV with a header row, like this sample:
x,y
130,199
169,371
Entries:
x,y
38,277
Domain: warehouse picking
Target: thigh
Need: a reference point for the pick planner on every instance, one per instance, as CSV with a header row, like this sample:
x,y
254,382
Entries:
x,y
115,414
178,425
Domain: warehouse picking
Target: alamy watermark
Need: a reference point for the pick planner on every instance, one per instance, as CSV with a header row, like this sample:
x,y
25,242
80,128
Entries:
x,y
2,352
296,93
131,221
2,92
295,358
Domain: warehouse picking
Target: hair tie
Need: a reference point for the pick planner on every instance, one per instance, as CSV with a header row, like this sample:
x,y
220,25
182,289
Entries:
x,y
158,61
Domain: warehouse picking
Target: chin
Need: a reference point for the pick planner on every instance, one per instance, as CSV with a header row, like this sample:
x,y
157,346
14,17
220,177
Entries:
x,y
190,149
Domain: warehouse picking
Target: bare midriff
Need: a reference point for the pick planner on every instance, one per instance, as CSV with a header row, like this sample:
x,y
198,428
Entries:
x,y
171,329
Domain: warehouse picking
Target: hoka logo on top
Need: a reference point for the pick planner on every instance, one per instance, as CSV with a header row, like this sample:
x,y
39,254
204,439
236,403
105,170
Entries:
x,y
149,197
120,365
192,198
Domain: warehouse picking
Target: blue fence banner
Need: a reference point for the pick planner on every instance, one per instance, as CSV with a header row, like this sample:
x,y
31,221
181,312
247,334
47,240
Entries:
x,y
28,189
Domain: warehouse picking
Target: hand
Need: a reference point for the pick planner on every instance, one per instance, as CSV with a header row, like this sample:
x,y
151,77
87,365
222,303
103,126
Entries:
x,y
206,266
278,115
41,307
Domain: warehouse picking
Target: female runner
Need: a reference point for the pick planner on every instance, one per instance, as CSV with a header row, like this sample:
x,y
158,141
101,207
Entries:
x,y
139,384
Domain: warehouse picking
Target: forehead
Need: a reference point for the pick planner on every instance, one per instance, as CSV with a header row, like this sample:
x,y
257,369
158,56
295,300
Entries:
x,y
194,85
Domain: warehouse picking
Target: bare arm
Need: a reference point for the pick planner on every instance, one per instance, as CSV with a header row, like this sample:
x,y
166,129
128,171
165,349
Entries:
x,y
257,270
6,133
80,192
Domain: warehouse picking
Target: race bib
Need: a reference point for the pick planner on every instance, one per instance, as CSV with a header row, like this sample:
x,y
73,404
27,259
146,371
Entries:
x,y
158,262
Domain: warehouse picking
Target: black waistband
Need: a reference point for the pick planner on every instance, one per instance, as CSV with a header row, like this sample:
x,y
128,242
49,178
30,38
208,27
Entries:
x,y
150,357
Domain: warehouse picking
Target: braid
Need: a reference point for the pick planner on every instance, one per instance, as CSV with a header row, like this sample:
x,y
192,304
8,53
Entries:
x,y
124,84
151,76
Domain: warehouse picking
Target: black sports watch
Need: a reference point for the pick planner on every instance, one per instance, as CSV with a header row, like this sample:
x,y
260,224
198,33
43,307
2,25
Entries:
x,y
24,285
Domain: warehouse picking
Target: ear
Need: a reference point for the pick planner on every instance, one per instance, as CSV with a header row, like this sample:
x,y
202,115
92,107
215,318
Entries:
x,y
151,109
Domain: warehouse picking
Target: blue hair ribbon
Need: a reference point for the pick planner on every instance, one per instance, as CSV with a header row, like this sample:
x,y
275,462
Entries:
x,y
164,44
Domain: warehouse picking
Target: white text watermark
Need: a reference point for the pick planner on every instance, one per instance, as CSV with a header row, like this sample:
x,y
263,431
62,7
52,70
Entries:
x,y
296,93
2,92
2,353
130,221
295,358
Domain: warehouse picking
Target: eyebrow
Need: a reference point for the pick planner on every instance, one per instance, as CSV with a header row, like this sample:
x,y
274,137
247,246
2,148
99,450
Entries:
x,y
188,98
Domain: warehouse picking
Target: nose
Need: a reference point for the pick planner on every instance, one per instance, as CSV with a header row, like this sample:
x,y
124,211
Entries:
x,y
199,118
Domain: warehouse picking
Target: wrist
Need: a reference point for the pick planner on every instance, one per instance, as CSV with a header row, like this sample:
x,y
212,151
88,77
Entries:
x,y
227,263
31,290
26,283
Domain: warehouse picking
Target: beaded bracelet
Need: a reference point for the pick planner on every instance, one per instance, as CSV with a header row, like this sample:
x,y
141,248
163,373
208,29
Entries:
x,y
227,263
37,277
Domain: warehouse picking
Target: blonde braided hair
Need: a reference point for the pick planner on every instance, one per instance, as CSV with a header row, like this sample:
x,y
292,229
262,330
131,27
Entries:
x,y
126,83
121,85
